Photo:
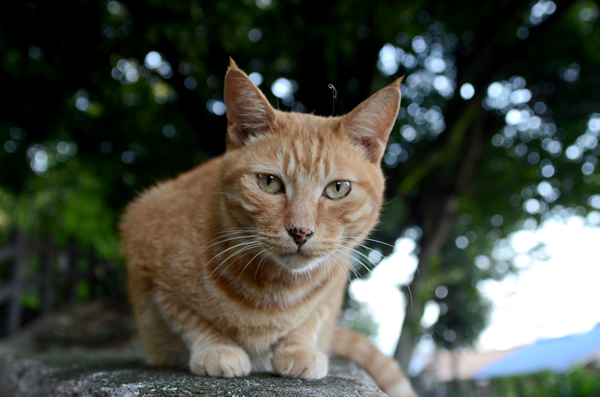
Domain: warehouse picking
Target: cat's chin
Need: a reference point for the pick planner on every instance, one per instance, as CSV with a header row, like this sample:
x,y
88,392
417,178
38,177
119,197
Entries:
x,y
298,262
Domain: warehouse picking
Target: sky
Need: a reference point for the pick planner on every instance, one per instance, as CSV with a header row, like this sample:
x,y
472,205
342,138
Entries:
x,y
550,297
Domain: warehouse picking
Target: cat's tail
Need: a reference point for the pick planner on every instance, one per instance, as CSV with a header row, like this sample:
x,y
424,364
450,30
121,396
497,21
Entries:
x,y
385,371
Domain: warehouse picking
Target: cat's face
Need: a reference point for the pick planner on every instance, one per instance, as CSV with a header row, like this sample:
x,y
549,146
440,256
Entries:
x,y
307,189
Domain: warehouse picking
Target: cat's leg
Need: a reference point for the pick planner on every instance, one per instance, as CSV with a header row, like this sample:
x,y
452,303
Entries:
x,y
296,355
211,352
214,354
162,345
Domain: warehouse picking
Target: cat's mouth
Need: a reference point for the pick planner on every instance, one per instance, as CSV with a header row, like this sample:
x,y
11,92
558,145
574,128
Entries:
x,y
298,255
298,260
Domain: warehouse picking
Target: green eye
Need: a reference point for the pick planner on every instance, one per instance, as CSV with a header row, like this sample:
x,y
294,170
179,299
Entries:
x,y
337,190
269,183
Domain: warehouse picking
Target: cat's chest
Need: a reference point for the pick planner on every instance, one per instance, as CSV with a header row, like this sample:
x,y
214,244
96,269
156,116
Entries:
x,y
258,317
257,329
260,306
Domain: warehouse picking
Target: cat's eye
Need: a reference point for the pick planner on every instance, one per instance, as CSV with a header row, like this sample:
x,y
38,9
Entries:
x,y
337,190
269,183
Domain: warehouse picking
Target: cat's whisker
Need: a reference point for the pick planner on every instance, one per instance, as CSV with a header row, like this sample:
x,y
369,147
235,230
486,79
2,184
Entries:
x,y
339,256
242,247
355,251
247,264
240,229
366,264
361,246
359,261
410,296
278,271
229,265
261,262
391,201
204,248
222,239
348,238
330,263
214,257
327,265
330,268
341,268
366,256
353,270
230,256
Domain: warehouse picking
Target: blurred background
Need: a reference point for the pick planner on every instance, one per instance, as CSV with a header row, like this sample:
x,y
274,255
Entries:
x,y
487,247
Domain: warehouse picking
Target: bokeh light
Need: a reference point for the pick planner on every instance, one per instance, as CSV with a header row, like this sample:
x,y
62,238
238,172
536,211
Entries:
x,y
256,78
254,35
467,91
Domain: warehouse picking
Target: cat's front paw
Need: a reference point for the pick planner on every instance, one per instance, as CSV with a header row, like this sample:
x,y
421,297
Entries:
x,y
225,361
300,363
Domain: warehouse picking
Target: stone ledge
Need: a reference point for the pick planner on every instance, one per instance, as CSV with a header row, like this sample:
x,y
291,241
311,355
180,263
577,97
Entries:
x,y
123,374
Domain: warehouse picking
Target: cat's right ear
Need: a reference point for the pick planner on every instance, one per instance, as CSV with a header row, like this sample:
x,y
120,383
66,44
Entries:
x,y
248,111
370,123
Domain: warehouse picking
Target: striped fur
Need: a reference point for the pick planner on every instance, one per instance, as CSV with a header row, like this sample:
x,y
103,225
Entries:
x,y
217,279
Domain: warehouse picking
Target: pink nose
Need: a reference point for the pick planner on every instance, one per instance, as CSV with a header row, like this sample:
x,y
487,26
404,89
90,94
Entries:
x,y
300,234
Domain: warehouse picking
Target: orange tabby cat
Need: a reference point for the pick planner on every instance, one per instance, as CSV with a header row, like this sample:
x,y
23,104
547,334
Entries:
x,y
240,265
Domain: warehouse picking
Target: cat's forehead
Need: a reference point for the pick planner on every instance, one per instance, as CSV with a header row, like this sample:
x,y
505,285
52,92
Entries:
x,y
312,147
305,122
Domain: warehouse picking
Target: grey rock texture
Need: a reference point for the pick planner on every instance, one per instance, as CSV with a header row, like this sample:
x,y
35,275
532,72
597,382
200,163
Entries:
x,y
123,374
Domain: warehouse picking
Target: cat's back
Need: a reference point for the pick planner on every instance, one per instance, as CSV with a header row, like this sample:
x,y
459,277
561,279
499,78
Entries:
x,y
176,210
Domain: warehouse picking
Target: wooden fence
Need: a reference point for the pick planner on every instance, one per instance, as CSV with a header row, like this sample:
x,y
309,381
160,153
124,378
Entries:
x,y
51,273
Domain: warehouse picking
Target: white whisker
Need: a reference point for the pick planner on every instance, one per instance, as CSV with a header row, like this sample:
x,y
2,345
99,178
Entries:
x,y
250,261
215,241
355,251
410,296
367,239
214,257
340,267
245,246
204,248
261,262
359,261
230,256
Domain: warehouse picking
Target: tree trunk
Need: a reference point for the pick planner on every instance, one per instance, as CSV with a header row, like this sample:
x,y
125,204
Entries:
x,y
452,162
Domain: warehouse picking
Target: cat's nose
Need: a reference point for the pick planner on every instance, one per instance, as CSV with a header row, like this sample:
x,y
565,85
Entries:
x,y
300,234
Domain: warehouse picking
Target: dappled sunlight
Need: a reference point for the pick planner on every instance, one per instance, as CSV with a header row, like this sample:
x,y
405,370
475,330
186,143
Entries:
x,y
431,73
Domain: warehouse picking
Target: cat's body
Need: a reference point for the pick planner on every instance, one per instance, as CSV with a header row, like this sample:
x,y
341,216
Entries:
x,y
241,264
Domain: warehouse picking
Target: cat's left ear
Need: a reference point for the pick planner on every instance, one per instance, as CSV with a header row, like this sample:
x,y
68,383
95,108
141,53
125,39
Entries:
x,y
248,111
370,123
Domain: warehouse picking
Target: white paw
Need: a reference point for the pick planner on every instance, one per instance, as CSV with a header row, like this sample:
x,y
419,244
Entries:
x,y
225,361
300,363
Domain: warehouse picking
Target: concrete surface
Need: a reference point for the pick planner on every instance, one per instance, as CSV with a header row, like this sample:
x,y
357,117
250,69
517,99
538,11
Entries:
x,y
123,374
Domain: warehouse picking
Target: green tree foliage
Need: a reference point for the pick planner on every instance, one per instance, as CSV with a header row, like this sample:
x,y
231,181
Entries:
x,y
69,201
498,128
579,382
